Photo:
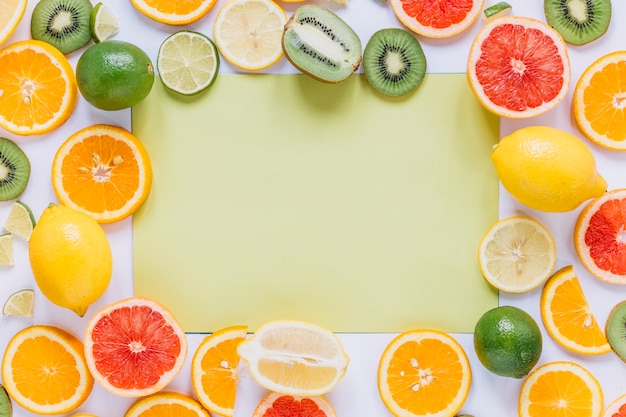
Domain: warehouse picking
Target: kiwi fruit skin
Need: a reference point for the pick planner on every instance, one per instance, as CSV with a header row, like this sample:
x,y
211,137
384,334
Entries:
x,y
578,30
320,44
63,24
14,170
394,62
615,330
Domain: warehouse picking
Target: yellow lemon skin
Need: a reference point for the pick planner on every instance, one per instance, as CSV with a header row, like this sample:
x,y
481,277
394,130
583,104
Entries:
x,y
547,169
70,258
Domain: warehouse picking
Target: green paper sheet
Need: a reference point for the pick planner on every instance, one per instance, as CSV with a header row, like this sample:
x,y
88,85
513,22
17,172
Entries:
x,y
280,197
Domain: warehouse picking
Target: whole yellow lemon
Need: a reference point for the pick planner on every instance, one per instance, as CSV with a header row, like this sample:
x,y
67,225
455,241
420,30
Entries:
x,y
70,258
547,169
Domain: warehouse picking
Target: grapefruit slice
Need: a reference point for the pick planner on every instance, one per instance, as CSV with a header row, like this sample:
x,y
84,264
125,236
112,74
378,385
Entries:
x,y
275,404
600,236
437,18
518,67
134,347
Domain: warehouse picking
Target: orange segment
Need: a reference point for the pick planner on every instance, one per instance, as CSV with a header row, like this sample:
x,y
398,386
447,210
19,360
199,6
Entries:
x,y
559,389
424,373
567,316
40,357
437,18
174,12
214,369
103,171
11,13
166,404
279,405
599,102
38,87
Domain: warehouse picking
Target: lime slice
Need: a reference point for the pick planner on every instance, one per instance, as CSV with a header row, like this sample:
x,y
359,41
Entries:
x,y
103,23
5,403
20,303
6,249
188,62
20,220
497,10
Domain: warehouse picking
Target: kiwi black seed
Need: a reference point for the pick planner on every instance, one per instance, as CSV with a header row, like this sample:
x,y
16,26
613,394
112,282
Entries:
x,y
578,21
63,24
394,62
14,170
615,330
320,44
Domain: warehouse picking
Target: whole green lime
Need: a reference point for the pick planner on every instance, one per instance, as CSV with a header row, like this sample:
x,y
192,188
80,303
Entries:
x,y
114,75
507,341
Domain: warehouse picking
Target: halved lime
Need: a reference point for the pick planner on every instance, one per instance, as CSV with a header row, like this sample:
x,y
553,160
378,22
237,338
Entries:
x,y
103,23
6,249
188,62
497,10
20,303
20,220
5,403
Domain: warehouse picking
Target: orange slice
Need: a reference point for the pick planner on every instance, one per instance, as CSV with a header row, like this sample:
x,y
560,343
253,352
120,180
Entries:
x,y
40,357
11,13
424,373
166,404
103,171
558,389
599,102
275,405
134,347
214,369
437,18
39,90
567,316
174,12
599,236
518,67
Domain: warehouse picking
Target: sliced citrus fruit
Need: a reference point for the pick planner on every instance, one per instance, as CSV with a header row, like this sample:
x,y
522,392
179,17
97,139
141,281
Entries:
x,y
567,316
424,373
600,239
39,90
103,171
11,13
20,220
188,62
134,347
174,12
517,254
275,404
617,407
214,369
166,404
20,303
248,33
39,358
294,357
599,103
6,249
437,18
103,23
560,388
518,67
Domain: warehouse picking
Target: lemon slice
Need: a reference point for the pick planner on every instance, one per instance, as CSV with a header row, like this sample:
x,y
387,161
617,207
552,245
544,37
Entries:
x,y
11,13
20,221
188,62
6,249
20,303
103,23
517,254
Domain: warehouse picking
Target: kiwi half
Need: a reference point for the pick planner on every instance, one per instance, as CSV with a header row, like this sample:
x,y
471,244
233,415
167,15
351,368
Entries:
x,y
578,21
64,24
320,44
14,170
615,330
394,62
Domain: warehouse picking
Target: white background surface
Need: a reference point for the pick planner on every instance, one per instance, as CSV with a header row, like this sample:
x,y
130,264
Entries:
x,y
356,394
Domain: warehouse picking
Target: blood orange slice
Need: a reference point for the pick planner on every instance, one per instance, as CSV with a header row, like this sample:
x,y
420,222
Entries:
x,y
600,237
279,405
437,18
134,347
518,67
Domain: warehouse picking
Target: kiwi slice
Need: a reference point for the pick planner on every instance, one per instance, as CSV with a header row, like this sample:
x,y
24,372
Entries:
x,y
6,410
14,170
578,21
394,62
64,24
615,330
320,44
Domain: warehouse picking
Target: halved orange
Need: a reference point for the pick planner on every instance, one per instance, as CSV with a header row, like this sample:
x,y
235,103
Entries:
x,y
280,405
558,389
38,85
174,12
44,370
11,13
424,373
599,102
166,404
437,18
567,316
214,369
103,171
